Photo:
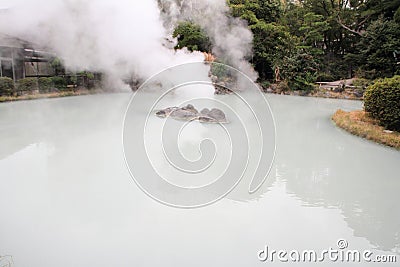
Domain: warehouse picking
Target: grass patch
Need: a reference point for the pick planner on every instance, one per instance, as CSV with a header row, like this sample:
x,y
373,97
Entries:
x,y
359,123
47,95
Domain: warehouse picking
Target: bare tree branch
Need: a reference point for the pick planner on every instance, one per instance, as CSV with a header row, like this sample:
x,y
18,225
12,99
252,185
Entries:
x,y
349,29
363,21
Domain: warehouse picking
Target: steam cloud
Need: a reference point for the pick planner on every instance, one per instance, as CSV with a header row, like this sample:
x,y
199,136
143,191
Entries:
x,y
231,38
124,37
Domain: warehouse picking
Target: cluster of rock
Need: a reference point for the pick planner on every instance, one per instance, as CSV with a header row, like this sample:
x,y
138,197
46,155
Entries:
x,y
189,113
222,86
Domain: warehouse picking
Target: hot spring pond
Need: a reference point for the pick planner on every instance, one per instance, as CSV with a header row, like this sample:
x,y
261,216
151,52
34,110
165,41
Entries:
x,y
67,198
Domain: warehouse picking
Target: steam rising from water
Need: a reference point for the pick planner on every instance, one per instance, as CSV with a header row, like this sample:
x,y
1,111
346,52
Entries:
x,y
122,38
231,38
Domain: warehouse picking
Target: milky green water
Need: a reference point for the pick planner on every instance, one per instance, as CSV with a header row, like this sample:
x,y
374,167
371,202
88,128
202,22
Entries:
x,y
67,198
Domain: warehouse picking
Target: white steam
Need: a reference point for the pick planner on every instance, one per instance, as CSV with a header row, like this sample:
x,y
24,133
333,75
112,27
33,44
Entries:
x,y
231,38
122,37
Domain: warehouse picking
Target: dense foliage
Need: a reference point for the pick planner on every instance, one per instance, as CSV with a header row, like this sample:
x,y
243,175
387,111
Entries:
x,y
6,86
59,82
45,84
87,80
382,101
192,37
308,40
300,71
27,85
377,55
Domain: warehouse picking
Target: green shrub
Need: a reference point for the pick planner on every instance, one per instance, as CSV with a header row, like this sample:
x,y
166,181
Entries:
x,y
265,84
382,101
300,71
191,36
27,84
362,83
220,70
73,79
45,84
89,75
59,82
6,86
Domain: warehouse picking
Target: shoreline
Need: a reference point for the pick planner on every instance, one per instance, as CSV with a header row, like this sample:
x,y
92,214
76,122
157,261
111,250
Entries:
x,y
318,94
79,92
35,96
358,123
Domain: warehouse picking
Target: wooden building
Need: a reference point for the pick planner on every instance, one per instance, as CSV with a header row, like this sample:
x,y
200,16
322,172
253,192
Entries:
x,y
20,59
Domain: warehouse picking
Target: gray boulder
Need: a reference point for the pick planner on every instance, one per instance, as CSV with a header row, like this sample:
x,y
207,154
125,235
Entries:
x,y
189,112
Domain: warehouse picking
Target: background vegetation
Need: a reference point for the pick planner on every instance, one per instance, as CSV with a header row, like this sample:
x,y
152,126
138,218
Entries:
x,y
26,85
301,42
6,86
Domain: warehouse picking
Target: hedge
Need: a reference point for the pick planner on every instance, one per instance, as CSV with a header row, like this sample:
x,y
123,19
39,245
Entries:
x,y
382,102
59,82
45,84
27,84
6,86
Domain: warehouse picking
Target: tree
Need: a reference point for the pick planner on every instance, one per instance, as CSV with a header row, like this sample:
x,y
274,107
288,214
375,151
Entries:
x,y
313,30
192,37
376,51
378,8
293,18
271,43
254,10
306,39
299,70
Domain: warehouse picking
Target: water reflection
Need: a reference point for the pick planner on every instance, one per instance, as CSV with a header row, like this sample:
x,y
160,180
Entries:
x,y
66,185
57,121
324,166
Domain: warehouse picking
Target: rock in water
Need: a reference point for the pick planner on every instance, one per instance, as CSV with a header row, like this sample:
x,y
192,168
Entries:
x,y
166,112
214,115
217,114
184,114
205,111
189,107
189,112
